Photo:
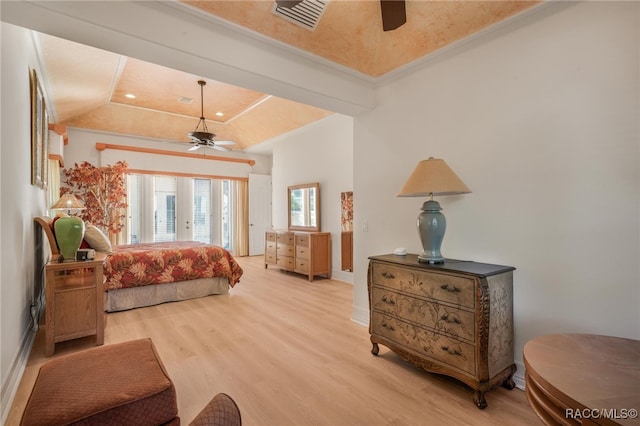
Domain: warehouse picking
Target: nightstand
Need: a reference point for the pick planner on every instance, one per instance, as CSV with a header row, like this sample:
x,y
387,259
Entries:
x,y
74,301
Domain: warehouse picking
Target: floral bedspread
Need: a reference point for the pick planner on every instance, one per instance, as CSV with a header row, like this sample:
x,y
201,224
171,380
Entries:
x,y
157,263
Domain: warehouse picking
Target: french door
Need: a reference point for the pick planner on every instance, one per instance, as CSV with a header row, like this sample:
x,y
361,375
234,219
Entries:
x,y
171,208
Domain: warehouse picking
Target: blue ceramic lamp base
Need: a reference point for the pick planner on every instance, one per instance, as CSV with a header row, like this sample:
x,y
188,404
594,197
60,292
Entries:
x,y
431,227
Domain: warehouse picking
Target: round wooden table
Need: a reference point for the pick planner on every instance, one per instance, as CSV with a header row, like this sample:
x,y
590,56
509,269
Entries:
x,y
583,379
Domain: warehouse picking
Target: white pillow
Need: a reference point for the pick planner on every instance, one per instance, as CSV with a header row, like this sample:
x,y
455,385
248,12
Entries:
x,y
97,239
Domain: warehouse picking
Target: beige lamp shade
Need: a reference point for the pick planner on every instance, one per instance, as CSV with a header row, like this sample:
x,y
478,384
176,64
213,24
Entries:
x,y
68,202
433,177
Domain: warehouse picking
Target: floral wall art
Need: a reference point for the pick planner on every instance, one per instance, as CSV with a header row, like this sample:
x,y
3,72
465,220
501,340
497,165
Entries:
x,y
347,210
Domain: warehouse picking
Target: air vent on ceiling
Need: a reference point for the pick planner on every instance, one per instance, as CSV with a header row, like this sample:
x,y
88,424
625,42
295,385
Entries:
x,y
305,13
185,100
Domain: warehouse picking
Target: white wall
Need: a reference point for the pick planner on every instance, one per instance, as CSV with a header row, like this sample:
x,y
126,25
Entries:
x,y
540,120
19,203
321,152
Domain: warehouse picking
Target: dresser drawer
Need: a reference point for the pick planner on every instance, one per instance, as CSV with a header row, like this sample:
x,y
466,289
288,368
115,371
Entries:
x,y
450,321
286,262
454,353
270,246
302,240
270,257
435,285
285,238
302,252
285,250
302,265
270,236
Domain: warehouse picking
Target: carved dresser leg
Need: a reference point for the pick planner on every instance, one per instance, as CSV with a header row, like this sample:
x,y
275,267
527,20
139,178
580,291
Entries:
x,y
509,383
375,349
478,398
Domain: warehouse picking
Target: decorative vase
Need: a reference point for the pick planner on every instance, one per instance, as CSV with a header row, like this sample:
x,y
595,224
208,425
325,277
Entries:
x,y
69,233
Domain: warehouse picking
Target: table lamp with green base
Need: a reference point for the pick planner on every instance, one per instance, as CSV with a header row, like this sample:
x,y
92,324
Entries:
x,y
69,230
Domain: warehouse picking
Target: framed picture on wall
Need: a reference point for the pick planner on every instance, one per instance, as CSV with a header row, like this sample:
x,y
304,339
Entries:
x,y
39,132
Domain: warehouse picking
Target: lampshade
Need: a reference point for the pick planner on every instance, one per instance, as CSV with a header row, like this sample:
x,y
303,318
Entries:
x,y
68,202
433,177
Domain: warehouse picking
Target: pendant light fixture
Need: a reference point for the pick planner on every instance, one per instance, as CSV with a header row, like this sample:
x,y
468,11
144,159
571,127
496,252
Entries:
x,y
201,136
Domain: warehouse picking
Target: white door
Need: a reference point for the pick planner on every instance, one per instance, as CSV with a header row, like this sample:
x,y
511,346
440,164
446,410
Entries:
x,y
259,211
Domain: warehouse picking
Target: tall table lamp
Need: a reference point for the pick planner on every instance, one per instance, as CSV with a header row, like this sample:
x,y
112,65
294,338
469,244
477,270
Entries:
x,y
69,230
432,177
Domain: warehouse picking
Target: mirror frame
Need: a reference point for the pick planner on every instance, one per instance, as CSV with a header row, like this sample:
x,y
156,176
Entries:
x,y
315,228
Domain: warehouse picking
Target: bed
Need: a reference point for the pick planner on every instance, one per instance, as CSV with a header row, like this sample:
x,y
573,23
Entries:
x,y
151,273
148,274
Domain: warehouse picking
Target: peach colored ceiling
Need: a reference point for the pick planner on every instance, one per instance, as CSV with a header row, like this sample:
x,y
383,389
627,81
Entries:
x,y
89,85
350,31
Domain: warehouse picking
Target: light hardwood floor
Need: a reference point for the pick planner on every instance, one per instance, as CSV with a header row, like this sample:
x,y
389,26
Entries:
x,y
286,350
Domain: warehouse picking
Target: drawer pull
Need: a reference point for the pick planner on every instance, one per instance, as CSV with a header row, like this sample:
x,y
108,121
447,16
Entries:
x,y
388,275
451,318
389,299
452,289
388,326
451,351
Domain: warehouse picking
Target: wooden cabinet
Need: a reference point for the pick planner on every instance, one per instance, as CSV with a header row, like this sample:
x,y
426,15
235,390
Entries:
x,y
346,250
74,301
454,318
307,253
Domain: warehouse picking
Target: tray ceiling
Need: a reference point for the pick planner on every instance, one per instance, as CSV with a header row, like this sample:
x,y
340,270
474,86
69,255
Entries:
x,y
89,86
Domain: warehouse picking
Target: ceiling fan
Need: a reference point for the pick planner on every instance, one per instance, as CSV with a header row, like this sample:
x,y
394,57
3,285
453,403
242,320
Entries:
x,y
202,137
393,12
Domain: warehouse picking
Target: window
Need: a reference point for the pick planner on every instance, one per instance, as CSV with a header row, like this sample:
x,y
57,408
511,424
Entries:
x,y
164,208
170,208
202,210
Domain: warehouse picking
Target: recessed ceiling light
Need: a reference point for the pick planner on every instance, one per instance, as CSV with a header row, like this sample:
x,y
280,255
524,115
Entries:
x,y
219,114
130,96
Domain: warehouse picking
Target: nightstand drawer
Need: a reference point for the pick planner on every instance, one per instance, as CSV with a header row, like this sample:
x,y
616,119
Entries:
x,y
434,285
454,353
450,321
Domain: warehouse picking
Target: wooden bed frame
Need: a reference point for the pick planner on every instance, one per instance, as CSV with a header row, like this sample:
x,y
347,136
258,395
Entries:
x,y
137,297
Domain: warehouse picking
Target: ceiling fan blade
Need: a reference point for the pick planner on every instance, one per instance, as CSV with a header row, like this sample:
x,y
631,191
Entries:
x,y
220,148
194,148
394,14
224,143
288,3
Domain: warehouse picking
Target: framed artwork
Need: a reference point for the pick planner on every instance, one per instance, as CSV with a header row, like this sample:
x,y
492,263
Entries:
x,y
39,133
346,199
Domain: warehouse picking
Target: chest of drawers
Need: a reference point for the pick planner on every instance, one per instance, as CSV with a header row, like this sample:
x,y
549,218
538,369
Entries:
x,y
454,318
307,253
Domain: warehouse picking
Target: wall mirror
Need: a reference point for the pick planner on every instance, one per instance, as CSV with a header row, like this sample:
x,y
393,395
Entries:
x,y
304,207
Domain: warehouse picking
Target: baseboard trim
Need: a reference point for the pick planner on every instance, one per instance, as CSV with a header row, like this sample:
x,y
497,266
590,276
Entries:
x,y
10,386
360,316
518,376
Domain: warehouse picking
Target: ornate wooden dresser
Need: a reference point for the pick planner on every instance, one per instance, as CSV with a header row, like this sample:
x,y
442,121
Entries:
x,y
454,318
